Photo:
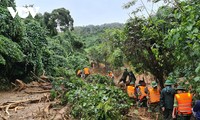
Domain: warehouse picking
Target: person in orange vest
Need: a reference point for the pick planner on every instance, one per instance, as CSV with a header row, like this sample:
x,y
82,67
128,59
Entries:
x,y
86,71
153,99
79,72
110,74
142,96
131,91
182,104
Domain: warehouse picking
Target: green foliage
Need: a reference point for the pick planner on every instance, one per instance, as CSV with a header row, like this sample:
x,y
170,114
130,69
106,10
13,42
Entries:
x,y
144,47
108,50
25,47
94,99
2,60
99,79
116,58
62,55
9,27
58,17
102,102
10,50
33,44
167,43
185,39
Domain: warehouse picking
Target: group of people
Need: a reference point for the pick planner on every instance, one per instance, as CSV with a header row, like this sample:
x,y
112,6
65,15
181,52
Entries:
x,y
128,74
174,102
83,73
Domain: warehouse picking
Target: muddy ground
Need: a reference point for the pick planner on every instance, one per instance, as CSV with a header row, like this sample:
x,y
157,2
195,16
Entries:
x,y
32,102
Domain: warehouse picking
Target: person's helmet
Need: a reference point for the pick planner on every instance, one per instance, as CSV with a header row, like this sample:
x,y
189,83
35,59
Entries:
x,y
132,83
154,84
168,82
180,88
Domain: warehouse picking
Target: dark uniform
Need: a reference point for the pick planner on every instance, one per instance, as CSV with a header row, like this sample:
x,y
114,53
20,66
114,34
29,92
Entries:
x,y
167,100
131,77
124,76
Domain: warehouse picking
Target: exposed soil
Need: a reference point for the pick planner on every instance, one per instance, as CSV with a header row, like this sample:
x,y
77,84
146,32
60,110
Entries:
x,y
39,107
31,103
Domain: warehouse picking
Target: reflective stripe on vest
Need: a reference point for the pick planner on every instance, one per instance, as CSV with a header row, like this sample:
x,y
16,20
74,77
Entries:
x,y
184,103
86,71
142,92
154,95
131,91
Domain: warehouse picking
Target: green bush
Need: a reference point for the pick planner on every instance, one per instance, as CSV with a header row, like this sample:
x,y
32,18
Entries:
x,y
99,79
93,100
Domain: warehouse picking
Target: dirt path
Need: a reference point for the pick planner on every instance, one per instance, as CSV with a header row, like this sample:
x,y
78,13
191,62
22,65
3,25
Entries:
x,y
26,111
31,103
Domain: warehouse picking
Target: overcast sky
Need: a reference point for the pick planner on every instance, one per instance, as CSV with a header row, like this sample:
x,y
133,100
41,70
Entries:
x,y
87,12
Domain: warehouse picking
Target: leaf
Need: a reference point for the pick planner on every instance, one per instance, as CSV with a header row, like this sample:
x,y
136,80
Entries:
x,y
176,38
198,89
197,70
2,60
197,79
189,28
195,30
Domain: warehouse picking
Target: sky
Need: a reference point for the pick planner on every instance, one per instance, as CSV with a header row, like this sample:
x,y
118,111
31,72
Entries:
x,y
90,12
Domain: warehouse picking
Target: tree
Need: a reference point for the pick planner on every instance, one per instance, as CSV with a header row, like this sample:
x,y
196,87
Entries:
x,y
145,47
184,38
166,43
10,27
58,20
11,33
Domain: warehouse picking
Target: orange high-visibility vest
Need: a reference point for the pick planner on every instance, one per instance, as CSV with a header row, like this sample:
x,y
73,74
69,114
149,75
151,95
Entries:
x,y
110,74
131,91
86,71
154,95
184,103
142,92
79,72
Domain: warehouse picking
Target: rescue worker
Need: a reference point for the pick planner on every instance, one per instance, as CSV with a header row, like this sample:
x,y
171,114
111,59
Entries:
x,y
182,104
167,100
79,72
137,94
142,82
110,74
124,76
86,71
153,99
131,77
131,91
142,96
196,110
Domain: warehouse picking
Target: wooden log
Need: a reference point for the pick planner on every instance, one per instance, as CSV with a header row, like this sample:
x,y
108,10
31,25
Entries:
x,y
35,92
